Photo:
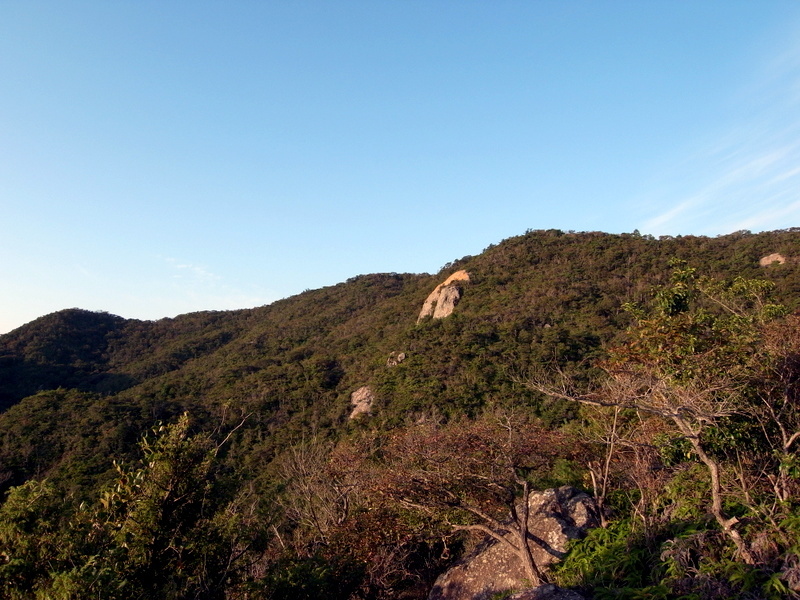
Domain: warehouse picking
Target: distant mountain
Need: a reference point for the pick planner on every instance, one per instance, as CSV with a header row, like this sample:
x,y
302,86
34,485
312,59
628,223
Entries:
x,y
63,349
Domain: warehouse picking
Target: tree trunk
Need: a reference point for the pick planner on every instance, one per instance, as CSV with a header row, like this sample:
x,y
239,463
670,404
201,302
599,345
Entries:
x,y
534,574
712,465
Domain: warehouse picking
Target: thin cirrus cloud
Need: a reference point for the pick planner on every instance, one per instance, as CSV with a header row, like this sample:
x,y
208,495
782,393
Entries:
x,y
197,287
749,178
751,184
187,271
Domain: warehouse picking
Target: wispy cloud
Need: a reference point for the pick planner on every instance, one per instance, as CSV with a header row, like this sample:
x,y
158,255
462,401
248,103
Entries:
x,y
193,287
664,219
749,178
196,273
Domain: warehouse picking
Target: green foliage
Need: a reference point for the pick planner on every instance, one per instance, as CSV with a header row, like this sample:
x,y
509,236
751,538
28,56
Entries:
x,y
164,530
699,327
309,579
155,514
681,560
30,521
608,558
685,496
672,449
563,471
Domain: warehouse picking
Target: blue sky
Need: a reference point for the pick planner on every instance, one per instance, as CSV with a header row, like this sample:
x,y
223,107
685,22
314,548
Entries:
x,y
158,158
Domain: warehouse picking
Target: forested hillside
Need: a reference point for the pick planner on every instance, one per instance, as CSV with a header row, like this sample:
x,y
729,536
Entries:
x,y
213,455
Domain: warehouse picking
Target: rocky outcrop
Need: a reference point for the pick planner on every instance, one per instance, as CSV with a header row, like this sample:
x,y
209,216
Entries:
x,y
362,400
449,296
395,358
442,300
556,517
772,258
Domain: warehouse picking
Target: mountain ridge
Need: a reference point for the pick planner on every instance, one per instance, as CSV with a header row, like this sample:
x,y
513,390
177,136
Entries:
x,y
79,347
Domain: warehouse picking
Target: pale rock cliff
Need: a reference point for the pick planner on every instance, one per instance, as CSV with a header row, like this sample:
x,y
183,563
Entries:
x,y
443,299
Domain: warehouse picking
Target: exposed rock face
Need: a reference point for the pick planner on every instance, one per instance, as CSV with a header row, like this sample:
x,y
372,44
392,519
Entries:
x,y
556,517
449,296
362,400
772,258
395,358
442,300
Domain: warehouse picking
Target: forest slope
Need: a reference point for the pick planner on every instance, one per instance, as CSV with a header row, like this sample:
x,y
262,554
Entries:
x,y
543,296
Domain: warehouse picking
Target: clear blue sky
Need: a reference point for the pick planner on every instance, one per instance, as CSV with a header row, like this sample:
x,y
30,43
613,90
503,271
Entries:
x,y
162,157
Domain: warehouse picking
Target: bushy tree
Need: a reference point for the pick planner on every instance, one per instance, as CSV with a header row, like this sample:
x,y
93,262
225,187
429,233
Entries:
x,y
167,528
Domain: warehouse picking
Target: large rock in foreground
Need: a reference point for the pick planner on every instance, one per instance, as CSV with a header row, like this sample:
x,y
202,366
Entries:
x,y
556,517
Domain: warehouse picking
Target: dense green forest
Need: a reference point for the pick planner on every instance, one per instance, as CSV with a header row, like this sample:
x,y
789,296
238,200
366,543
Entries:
x,y
213,455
